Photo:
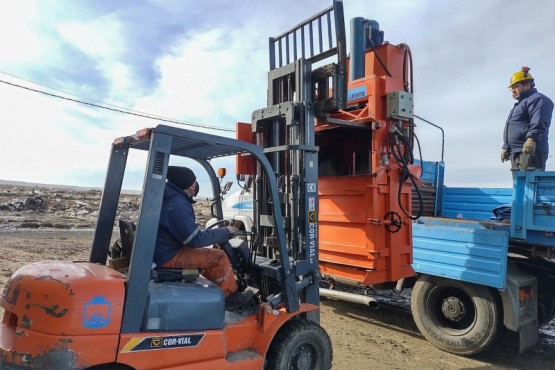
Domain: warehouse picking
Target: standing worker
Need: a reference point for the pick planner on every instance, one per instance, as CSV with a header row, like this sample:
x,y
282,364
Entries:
x,y
180,242
525,138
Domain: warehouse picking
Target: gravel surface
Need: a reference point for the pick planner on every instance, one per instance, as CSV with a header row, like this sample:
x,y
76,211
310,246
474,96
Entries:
x,y
362,338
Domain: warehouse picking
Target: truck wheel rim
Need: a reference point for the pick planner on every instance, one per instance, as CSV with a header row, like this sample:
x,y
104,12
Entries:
x,y
451,309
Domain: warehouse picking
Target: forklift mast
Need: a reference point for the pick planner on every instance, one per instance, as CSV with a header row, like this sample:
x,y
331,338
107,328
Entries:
x,y
285,129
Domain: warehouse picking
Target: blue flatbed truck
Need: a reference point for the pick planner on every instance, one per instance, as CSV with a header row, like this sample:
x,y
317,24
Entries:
x,y
479,273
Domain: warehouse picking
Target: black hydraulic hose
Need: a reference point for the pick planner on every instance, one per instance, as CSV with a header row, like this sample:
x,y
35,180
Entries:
x,y
252,249
408,85
378,57
420,201
406,173
400,157
419,148
404,158
412,137
408,53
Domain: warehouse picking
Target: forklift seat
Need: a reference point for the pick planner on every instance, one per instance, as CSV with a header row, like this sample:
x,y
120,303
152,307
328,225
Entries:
x,y
120,251
159,274
126,236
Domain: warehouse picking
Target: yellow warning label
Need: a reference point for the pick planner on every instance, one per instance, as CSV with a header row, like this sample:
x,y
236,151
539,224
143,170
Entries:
x,y
133,342
312,217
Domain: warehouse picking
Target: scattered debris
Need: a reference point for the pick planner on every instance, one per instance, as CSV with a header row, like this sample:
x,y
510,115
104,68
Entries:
x,y
61,207
34,203
45,206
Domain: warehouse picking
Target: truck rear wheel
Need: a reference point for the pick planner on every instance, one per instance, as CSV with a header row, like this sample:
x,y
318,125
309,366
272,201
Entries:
x,y
457,317
546,311
300,345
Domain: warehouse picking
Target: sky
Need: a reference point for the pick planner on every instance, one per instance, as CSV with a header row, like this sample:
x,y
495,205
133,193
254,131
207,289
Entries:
x,y
206,62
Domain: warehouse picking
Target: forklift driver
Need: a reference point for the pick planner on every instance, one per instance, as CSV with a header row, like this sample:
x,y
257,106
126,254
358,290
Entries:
x,y
180,242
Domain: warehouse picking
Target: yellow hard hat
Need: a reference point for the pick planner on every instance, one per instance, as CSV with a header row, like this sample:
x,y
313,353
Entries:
x,y
522,75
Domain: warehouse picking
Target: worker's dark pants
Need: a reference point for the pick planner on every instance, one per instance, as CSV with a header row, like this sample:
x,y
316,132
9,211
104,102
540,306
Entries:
x,y
527,162
212,263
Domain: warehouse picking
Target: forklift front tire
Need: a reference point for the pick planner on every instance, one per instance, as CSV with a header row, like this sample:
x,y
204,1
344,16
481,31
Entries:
x,y
300,345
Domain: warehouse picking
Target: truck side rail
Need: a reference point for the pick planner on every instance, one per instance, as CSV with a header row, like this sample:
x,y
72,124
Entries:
x,y
473,203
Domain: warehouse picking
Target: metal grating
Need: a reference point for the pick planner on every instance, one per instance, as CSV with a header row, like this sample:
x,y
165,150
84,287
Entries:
x,y
312,39
159,160
196,145
193,148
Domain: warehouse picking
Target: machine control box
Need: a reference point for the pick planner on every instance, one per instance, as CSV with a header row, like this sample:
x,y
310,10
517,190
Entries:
x,y
400,105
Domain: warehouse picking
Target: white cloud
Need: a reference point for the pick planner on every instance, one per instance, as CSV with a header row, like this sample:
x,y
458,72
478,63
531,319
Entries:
x,y
34,145
207,79
122,86
19,41
104,40
99,38
215,74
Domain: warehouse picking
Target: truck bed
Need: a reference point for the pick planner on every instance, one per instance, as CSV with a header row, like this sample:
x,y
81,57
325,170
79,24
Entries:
x,y
471,251
476,251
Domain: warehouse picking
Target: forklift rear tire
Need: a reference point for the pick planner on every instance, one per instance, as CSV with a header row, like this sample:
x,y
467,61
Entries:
x,y
457,317
300,345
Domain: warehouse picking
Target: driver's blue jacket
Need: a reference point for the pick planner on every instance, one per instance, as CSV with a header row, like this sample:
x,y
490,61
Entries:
x,y
178,229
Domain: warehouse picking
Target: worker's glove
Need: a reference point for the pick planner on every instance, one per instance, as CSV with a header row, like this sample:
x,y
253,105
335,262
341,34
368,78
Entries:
x,y
504,155
529,146
232,231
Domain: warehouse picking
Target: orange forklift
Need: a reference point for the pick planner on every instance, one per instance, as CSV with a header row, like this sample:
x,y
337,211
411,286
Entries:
x,y
102,314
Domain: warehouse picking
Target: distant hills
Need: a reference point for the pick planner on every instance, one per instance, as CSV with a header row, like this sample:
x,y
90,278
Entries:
x,y
55,186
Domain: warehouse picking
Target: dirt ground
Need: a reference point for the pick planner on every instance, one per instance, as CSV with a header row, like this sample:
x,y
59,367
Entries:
x,y
362,338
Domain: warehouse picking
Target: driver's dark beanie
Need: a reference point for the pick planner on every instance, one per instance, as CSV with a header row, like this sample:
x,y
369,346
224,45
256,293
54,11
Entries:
x,y
182,177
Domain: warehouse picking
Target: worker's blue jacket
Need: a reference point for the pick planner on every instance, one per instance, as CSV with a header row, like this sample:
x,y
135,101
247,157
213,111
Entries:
x,y
177,227
530,117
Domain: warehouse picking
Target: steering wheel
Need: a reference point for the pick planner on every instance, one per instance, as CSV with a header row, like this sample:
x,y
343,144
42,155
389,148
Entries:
x,y
218,223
